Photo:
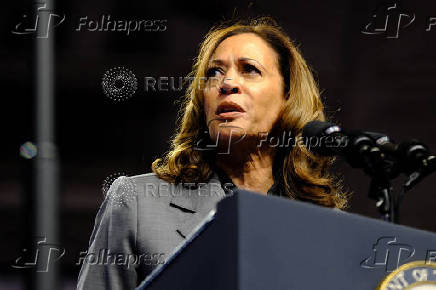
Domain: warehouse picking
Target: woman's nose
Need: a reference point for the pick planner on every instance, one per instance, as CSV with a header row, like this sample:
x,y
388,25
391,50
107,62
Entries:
x,y
229,87
224,91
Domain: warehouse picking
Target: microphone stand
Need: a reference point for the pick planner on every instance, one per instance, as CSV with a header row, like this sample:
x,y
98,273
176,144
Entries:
x,y
382,191
381,159
382,170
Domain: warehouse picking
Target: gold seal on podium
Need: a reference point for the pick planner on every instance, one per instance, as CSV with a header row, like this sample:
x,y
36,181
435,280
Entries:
x,y
418,275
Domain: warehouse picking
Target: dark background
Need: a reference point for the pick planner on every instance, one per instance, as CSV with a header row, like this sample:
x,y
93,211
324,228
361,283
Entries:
x,y
368,81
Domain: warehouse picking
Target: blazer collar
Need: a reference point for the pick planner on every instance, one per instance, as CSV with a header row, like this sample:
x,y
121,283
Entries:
x,y
196,202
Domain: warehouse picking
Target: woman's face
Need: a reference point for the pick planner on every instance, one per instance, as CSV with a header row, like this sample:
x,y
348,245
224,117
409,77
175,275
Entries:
x,y
247,92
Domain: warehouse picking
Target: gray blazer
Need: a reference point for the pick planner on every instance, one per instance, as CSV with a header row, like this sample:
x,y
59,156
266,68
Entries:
x,y
140,222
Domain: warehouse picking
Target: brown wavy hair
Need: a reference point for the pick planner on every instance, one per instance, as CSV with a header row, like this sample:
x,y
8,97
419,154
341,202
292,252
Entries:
x,y
304,176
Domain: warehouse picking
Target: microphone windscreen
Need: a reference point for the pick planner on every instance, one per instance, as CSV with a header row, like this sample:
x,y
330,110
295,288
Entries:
x,y
316,128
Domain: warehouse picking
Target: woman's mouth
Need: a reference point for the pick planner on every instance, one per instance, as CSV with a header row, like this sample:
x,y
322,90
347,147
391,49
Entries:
x,y
229,110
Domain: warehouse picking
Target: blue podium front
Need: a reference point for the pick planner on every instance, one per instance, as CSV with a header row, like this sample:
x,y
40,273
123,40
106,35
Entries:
x,y
262,242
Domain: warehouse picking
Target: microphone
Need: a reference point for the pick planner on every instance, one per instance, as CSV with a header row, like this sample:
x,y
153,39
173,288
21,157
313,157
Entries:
x,y
391,166
416,161
414,157
328,139
317,130
375,152
379,157
383,141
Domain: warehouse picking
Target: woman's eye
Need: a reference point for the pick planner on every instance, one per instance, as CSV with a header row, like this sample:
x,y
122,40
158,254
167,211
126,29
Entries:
x,y
212,72
249,68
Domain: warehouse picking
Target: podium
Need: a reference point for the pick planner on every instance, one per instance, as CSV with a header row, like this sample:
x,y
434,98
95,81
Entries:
x,y
262,242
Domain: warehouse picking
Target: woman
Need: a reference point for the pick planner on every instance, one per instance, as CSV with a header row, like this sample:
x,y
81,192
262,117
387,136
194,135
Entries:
x,y
250,84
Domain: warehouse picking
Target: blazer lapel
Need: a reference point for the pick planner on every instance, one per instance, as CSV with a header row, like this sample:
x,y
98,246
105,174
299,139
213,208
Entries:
x,y
195,203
